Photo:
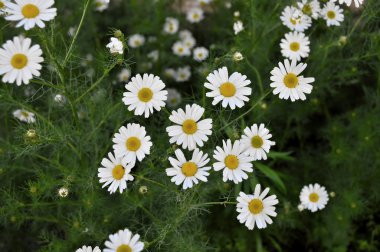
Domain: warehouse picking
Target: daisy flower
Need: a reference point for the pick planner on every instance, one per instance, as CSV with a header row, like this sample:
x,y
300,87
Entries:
x,y
295,46
287,82
101,5
310,8
182,74
189,42
185,34
333,14
349,2
189,130
195,15
20,61
189,172
30,13
124,241
171,25
88,249
200,54
231,90
174,98
116,46
144,94
124,75
170,73
256,141
295,19
180,49
314,197
136,40
256,208
233,161
115,173
132,142
24,116
238,27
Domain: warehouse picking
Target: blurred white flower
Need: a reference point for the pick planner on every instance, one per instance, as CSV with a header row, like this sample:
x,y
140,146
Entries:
x,y
185,34
183,74
310,8
238,56
24,116
60,99
88,249
200,54
238,27
174,98
189,42
171,25
153,55
116,46
180,49
124,75
101,5
63,192
294,19
170,73
195,15
136,41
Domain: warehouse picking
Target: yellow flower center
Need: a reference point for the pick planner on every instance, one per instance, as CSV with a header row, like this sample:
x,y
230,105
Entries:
x,y
195,16
307,9
19,61
331,14
25,114
124,248
118,172
255,206
189,127
180,49
232,162
189,169
30,11
293,21
294,46
291,80
145,94
1,5
313,197
133,144
227,89
257,142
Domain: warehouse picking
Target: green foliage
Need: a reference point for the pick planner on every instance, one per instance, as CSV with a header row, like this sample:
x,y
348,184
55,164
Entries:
x,y
332,138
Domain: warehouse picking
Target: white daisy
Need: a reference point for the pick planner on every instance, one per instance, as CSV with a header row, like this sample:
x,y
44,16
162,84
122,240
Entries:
x,y
30,13
124,241
101,5
182,74
231,90
171,25
136,40
310,8
238,27
180,49
314,197
295,46
132,142
145,94
200,54
115,173
195,15
19,61
287,82
116,46
60,99
256,208
189,172
333,14
256,141
88,249
174,98
295,19
233,160
238,56
185,34
124,75
24,116
170,73
189,42
349,2
189,130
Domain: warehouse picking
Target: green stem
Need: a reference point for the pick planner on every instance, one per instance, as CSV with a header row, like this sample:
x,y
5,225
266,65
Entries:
x,y
258,76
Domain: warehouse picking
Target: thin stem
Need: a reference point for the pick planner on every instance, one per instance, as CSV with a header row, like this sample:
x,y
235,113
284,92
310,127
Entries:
x,y
216,203
47,84
258,76
149,180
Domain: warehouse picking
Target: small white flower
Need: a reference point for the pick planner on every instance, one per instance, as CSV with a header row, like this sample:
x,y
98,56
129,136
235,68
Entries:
x,y
132,143
238,27
188,172
174,98
314,197
116,46
185,34
200,54
24,116
295,19
195,15
256,141
300,207
136,41
256,208
180,49
295,46
349,2
153,55
311,8
287,82
238,56
60,99
145,94
237,14
88,249
231,90
233,161
101,5
124,75
115,173
71,31
30,13
20,61
189,42
63,192
170,73
182,74
333,14
171,25
124,241
190,131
